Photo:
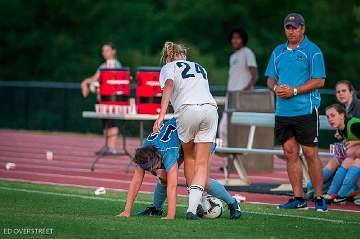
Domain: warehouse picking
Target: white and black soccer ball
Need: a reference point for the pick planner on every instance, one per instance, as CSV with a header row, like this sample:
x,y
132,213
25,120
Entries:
x,y
212,207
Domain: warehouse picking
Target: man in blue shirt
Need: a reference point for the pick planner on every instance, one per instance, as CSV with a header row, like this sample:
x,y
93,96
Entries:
x,y
295,72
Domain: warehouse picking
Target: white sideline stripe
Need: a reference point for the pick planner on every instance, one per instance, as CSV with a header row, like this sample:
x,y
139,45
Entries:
x,y
330,209
143,192
72,185
179,205
21,172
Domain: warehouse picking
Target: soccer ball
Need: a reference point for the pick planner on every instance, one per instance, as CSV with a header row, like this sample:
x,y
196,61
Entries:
x,y
94,86
212,207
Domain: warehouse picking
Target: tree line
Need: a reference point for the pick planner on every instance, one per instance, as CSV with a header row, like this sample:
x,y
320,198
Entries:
x,y
60,40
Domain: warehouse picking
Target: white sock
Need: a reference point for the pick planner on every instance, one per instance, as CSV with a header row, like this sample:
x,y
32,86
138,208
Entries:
x,y
195,194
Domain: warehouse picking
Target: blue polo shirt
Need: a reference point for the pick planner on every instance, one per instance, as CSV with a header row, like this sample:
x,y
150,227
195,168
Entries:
x,y
294,67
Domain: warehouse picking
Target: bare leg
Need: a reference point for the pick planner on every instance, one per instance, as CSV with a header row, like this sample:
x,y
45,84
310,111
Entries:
x,y
202,156
294,170
315,168
332,165
200,176
189,161
112,134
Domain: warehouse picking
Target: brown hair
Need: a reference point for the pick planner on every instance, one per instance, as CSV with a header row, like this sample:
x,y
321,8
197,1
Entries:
x,y
339,108
147,158
110,44
348,84
172,50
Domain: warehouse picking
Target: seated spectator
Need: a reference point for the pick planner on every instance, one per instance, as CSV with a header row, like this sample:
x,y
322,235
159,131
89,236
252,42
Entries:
x,y
348,173
346,96
111,131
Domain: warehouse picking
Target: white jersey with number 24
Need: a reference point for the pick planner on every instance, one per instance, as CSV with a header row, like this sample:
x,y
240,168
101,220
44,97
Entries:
x,y
191,84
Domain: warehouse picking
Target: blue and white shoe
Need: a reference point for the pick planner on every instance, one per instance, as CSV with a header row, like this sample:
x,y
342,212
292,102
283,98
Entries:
x,y
320,205
294,204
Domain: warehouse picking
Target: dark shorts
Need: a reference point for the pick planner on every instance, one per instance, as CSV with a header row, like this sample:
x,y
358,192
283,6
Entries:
x,y
109,123
305,129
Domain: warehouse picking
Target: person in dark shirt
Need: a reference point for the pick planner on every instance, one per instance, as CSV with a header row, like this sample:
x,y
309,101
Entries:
x,y
346,95
110,128
348,173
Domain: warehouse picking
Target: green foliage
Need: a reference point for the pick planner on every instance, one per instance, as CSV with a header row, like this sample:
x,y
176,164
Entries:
x,y
60,40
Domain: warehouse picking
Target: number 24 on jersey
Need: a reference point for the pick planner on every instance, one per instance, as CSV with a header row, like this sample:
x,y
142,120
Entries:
x,y
186,73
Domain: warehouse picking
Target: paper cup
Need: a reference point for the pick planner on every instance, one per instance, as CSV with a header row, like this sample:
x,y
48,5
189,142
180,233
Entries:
x,y
332,148
10,166
49,155
111,108
100,191
239,198
97,108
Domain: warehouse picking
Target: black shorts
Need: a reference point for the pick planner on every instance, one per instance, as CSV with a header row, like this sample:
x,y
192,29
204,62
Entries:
x,y
305,129
108,123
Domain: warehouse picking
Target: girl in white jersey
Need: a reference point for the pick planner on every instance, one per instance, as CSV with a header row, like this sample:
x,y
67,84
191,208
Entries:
x,y
186,86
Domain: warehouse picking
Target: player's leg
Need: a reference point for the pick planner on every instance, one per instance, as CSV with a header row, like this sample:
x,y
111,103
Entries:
x,y
202,154
204,138
328,172
112,134
189,160
216,189
338,179
350,180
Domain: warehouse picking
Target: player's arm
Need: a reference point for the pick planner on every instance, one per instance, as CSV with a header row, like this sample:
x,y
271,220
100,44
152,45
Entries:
x,y
172,176
85,83
165,99
254,75
134,188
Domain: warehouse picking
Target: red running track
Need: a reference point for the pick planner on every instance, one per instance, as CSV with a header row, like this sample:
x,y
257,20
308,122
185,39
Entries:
x,y
74,153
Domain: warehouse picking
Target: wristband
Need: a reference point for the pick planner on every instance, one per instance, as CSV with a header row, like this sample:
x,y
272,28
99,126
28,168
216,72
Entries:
x,y
295,92
274,88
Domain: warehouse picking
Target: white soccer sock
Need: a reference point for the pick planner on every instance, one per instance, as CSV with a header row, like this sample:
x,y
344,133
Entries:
x,y
195,194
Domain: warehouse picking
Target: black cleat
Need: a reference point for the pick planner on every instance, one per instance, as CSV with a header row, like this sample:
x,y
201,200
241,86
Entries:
x,y
339,199
191,216
150,211
200,211
235,211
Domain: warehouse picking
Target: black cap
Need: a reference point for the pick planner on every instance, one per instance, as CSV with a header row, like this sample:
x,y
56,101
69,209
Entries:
x,y
294,19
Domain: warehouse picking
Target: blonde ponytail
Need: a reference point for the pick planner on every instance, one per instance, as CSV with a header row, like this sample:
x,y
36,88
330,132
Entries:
x,y
172,50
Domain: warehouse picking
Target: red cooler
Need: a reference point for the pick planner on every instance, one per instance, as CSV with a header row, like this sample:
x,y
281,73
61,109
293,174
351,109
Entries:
x,y
148,91
114,86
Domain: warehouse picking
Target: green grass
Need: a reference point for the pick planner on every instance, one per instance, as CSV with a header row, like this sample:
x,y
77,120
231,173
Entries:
x,y
77,213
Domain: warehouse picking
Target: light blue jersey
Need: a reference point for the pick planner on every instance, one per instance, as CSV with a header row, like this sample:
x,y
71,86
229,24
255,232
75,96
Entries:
x,y
294,67
167,142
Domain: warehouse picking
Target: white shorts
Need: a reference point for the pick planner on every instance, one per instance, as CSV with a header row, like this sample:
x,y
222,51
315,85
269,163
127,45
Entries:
x,y
197,122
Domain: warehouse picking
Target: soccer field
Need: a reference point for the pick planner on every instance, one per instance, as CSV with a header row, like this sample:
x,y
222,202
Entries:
x,y
77,213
